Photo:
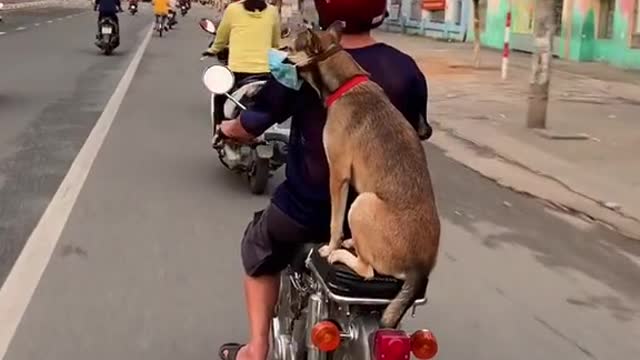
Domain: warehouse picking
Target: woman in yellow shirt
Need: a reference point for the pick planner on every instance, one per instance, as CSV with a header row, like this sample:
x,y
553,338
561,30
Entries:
x,y
249,28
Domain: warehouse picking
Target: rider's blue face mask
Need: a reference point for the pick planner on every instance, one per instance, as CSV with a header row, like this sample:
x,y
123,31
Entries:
x,y
285,74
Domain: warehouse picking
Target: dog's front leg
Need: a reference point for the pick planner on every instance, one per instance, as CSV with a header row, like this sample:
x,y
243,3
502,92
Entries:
x,y
339,188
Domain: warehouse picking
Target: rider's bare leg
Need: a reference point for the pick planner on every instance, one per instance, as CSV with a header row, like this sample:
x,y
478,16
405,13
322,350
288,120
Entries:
x,y
261,294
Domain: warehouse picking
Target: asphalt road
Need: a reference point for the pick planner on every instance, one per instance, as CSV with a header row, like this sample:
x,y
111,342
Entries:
x,y
147,265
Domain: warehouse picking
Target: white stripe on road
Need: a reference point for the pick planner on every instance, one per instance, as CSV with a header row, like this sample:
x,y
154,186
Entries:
x,y
50,21
36,24
18,289
21,28
2,32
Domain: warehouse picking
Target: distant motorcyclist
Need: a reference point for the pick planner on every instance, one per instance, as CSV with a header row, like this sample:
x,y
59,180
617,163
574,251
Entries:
x,y
108,9
249,29
161,11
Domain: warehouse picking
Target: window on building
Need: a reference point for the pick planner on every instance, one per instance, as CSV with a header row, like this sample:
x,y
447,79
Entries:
x,y
605,19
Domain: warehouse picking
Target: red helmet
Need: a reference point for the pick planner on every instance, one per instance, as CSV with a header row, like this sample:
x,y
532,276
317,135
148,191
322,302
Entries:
x,y
358,15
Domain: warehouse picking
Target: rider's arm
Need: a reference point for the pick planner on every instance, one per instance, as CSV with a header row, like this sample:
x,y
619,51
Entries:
x,y
275,32
273,104
418,106
222,33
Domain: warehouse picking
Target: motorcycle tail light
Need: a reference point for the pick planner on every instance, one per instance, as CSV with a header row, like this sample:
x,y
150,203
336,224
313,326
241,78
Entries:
x,y
391,345
325,335
424,344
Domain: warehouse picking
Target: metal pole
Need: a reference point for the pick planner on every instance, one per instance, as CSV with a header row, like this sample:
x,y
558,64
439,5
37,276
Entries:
x,y
506,50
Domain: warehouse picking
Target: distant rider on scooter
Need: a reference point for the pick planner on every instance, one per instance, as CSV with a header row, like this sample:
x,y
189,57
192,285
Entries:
x,y
249,29
108,9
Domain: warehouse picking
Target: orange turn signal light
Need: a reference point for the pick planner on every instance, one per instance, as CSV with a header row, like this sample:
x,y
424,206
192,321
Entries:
x,y
325,335
424,344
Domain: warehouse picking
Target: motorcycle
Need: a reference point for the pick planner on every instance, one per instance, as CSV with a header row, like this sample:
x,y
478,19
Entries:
x,y
328,312
184,8
133,8
171,19
109,38
268,153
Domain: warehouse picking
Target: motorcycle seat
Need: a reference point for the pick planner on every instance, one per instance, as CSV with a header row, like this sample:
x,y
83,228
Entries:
x,y
341,280
252,78
242,92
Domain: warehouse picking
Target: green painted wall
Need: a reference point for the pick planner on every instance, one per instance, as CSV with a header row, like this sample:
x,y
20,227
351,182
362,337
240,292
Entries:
x,y
584,43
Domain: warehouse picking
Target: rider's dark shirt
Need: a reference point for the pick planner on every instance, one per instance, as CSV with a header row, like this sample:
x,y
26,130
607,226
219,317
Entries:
x,y
304,195
107,6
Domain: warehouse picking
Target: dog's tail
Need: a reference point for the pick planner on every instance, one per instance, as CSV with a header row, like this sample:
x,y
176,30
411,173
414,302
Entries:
x,y
414,285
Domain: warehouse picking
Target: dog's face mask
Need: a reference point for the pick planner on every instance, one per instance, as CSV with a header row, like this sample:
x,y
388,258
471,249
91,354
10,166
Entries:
x,y
283,71
311,47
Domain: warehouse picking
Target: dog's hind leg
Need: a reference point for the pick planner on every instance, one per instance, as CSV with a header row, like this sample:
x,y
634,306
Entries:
x,y
373,232
355,263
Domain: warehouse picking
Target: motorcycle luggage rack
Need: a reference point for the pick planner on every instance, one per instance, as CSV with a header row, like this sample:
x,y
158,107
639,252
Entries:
x,y
347,300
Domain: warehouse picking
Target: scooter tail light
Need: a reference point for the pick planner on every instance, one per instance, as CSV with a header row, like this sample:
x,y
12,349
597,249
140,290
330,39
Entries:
x,y
391,345
424,345
325,335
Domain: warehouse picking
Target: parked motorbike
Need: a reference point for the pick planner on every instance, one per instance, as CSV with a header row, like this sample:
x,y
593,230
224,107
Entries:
x,y
109,39
133,8
257,160
327,312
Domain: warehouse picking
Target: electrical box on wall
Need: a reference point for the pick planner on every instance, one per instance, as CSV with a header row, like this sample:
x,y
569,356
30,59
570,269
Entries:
x,y
434,5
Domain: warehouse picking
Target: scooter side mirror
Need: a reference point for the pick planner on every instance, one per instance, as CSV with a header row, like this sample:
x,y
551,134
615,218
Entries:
x,y
208,26
218,79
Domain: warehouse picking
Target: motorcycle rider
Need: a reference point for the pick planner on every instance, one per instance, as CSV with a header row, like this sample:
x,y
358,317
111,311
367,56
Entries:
x,y
300,207
133,2
108,9
249,29
161,11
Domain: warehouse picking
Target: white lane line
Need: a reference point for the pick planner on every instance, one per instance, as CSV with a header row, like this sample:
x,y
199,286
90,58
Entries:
x,y
36,24
50,21
2,33
21,28
23,279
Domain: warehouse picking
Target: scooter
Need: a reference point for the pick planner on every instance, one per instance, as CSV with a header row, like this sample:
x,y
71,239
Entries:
x,y
184,8
171,20
109,38
133,8
264,156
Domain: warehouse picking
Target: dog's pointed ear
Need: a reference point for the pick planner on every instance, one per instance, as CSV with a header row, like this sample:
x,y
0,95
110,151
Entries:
x,y
307,41
336,29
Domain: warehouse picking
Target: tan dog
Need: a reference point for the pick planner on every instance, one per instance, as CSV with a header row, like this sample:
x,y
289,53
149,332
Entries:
x,y
370,145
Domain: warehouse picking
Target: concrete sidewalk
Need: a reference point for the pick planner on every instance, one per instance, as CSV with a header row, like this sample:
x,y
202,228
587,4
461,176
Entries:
x,y
481,122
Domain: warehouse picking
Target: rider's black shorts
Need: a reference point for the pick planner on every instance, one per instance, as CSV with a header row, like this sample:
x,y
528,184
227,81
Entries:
x,y
271,240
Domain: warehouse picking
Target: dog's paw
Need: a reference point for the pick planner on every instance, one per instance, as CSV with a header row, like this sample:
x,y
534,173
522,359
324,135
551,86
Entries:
x,y
325,251
348,244
333,257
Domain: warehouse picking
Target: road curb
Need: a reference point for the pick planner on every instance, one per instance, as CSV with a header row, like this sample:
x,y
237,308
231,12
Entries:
x,y
522,178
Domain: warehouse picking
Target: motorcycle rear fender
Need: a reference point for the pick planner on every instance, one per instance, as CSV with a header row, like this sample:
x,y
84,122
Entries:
x,y
264,151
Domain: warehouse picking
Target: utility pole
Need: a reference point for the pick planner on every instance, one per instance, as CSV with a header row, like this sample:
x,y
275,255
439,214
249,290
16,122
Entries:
x,y
476,33
541,64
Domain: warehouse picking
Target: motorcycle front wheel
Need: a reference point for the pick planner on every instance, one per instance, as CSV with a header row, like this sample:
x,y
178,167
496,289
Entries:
x,y
259,176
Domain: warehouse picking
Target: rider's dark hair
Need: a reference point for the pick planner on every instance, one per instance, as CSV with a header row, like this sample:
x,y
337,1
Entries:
x,y
254,5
